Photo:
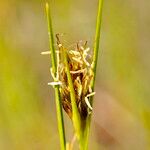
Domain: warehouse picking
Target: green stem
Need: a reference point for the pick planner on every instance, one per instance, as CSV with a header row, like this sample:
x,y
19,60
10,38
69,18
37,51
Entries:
x,y
94,65
56,88
97,40
75,113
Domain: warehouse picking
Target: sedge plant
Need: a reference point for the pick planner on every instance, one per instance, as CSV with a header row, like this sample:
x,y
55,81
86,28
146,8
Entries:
x,y
74,74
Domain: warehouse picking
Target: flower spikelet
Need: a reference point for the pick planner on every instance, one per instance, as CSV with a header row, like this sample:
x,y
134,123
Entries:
x,y
81,72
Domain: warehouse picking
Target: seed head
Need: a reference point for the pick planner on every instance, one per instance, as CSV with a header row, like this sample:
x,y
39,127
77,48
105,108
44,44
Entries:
x,y
81,72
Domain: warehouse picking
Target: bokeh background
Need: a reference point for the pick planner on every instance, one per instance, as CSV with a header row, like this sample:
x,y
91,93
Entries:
x,y
121,119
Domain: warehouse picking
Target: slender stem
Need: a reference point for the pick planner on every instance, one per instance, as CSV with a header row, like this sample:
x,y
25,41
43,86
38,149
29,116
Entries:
x,y
56,88
75,113
97,40
94,65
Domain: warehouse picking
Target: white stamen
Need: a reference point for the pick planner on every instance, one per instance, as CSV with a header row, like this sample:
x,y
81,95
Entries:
x,y
78,71
53,76
91,94
54,83
48,52
88,103
87,49
52,73
90,89
57,52
74,52
59,45
78,60
45,53
87,63
82,48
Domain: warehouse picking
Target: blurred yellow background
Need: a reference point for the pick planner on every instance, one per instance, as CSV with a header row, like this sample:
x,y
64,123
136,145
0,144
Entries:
x,y
121,118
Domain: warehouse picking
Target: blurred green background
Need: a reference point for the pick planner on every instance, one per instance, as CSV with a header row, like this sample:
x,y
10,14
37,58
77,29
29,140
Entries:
x,y
121,118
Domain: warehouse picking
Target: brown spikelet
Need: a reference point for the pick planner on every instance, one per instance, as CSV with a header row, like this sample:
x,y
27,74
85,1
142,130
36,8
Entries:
x,y
81,73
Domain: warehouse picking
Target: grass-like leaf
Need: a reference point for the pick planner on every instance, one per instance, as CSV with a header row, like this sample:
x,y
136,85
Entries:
x,y
97,40
56,87
94,66
75,113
